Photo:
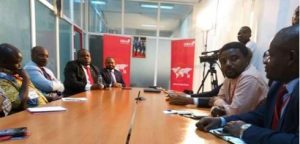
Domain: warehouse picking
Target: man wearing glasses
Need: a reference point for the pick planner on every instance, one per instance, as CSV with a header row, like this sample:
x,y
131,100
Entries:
x,y
277,120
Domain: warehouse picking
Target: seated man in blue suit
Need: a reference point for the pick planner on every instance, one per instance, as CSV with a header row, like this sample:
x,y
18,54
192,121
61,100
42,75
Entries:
x,y
41,76
277,120
111,76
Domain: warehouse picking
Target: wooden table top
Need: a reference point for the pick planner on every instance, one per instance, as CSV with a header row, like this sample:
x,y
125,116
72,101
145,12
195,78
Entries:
x,y
106,118
152,126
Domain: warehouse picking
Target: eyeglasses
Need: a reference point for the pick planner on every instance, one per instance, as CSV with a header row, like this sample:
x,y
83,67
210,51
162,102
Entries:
x,y
266,57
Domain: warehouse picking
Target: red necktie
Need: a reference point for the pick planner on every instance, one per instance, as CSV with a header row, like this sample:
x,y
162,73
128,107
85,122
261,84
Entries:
x,y
47,76
88,71
278,106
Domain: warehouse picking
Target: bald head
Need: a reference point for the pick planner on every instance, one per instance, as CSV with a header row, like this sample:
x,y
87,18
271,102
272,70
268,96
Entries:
x,y
110,63
39,55
287,38
80,51
35,49
84,57
283,60
244,34
246,29
10,57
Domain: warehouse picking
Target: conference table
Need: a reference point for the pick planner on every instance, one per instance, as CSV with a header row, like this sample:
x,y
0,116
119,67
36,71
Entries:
x,y
111,116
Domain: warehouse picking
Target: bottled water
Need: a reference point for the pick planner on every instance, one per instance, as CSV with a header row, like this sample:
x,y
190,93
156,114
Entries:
x,y
100,80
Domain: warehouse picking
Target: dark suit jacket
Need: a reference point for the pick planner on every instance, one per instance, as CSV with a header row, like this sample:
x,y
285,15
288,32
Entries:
x,y
261,119
107,77
75,79
204,97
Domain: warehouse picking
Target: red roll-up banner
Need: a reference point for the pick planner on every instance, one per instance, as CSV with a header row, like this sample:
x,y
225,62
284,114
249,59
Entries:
x,y
118,47
182,64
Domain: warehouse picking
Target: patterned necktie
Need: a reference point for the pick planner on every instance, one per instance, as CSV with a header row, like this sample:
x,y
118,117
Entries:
x,y
88,71
47,76
278,106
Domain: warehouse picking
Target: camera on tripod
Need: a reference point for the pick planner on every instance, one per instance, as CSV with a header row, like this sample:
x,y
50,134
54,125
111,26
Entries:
x,y
212,60
209,58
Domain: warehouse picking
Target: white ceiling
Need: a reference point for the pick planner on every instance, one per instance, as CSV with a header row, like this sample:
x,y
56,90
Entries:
x,y
137,17
172,1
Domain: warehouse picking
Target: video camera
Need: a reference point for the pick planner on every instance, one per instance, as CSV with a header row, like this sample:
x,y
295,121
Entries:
x,y
209,58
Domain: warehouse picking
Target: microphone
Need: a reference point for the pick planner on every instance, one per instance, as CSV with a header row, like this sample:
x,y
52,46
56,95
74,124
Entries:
x,y
139,98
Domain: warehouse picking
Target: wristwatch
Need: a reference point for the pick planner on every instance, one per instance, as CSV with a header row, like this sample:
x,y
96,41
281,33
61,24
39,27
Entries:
x,y
243,128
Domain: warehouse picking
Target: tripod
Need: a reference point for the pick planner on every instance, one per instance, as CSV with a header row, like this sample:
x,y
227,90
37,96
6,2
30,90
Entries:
x,y
213,77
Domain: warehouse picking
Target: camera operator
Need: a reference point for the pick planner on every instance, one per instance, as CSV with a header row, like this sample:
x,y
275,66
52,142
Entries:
x,y
244,36
243,88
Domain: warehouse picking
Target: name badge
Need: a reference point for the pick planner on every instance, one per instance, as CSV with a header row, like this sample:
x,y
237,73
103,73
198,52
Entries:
x,y
32,94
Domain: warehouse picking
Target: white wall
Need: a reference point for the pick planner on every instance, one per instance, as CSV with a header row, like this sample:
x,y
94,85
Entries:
x,y
225,17
275,15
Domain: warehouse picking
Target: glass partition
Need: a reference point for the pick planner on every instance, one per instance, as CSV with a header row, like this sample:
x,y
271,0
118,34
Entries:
x,y
175,20
15,25
51,1
96,18
67,8
140,20
45,32
164,63
96,50
110,15
77,12
65,44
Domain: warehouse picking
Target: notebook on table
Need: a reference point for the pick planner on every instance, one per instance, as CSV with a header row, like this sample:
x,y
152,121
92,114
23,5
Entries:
x,y
46,109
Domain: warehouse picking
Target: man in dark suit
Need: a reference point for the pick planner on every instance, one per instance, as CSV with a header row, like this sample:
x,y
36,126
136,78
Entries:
x,y
277,120
111,76
81,75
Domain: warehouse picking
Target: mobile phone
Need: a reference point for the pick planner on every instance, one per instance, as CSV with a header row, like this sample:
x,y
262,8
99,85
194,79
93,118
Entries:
x,y
14,132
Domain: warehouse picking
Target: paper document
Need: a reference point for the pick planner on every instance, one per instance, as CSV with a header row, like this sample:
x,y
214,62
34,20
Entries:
x,y
231,139
46,109
180,112
184,113
74,99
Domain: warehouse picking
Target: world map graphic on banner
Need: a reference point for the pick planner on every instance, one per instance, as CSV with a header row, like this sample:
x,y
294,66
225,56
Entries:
x,y
181,72
121,68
